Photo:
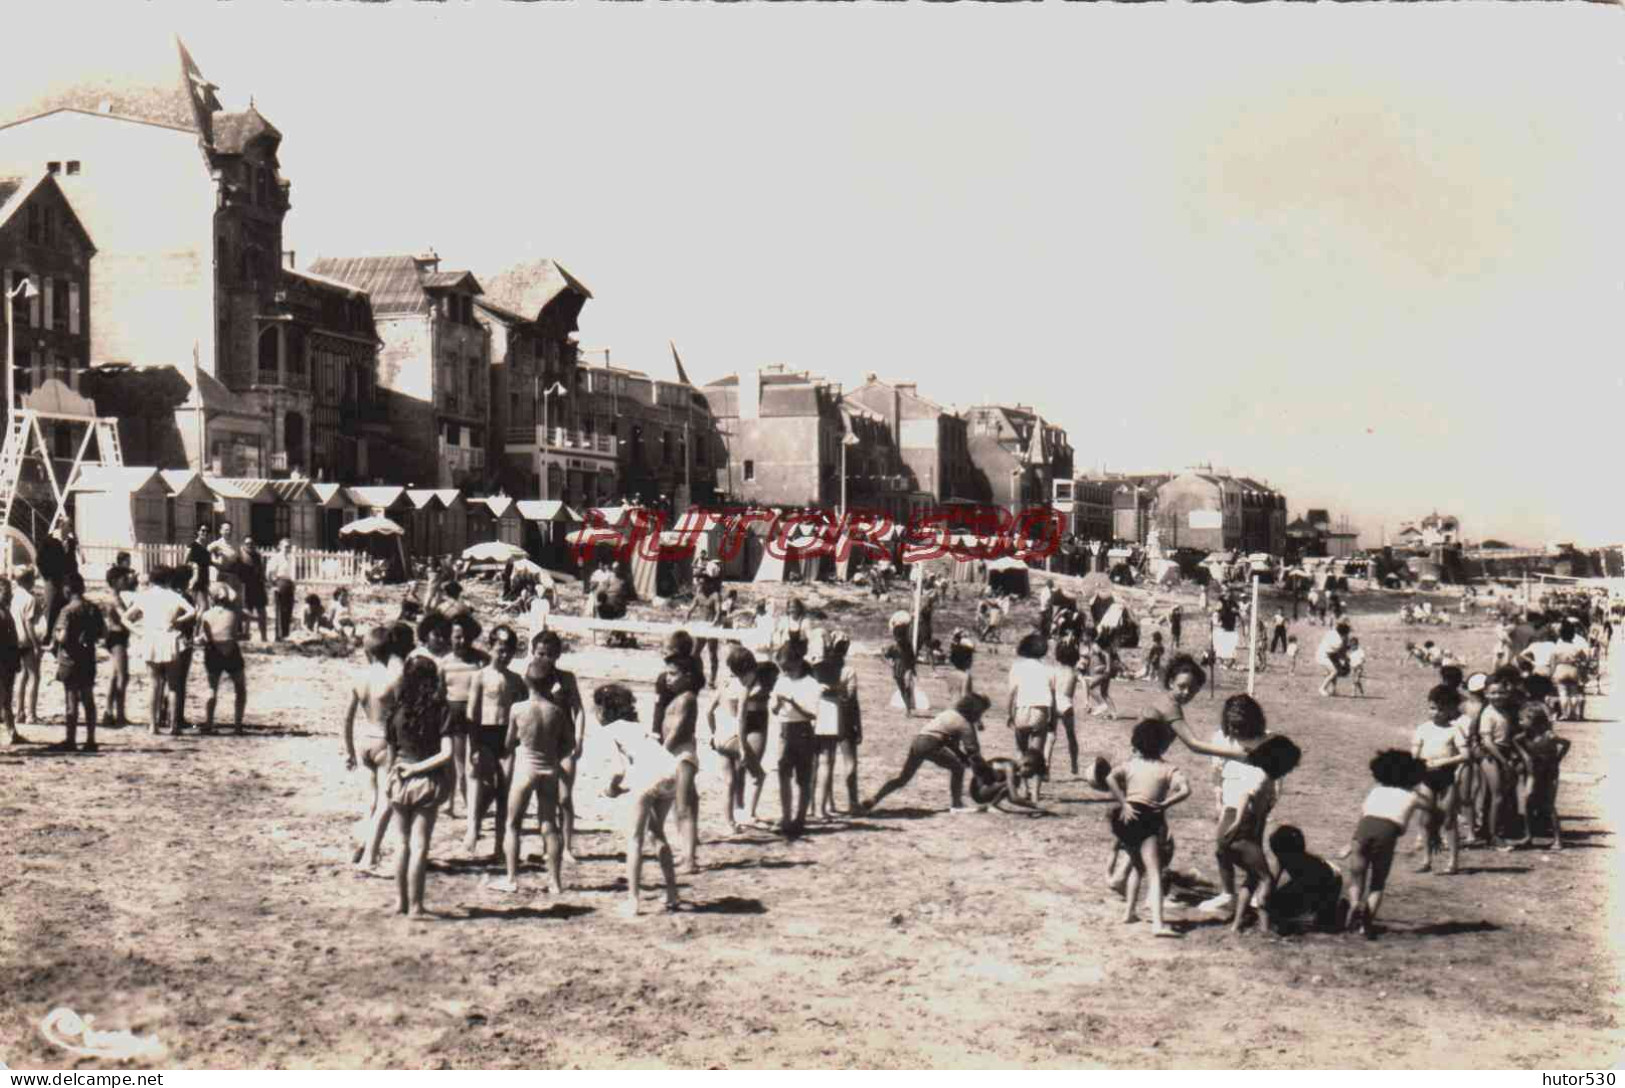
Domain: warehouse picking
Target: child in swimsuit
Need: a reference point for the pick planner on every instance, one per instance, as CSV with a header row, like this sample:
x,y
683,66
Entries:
x,y
1308,888
419,733
1543,752
493,693
949,740
1383,819
373,693
222,656
676,718
738,714
1145,788
1437,744
539,737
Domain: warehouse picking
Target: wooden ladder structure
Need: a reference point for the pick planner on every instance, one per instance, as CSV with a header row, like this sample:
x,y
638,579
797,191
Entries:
x,y
25,439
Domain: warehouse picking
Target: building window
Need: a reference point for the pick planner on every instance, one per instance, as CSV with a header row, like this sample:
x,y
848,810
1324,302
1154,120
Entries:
x,y
750,471
59,307
73,167
53,168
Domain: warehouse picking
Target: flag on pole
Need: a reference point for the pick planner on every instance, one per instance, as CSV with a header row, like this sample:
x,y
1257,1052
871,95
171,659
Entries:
x,y
204,101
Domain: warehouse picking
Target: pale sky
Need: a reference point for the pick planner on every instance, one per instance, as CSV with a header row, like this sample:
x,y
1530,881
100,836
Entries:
x,y
1369,253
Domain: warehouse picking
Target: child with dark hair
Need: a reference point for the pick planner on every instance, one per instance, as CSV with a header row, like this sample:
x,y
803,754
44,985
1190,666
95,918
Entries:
x,y
1244,799
1438,745
419,733
1543,752
647,775
795,700
1152,668
962,655
739,735
1145,788
1095,657
1502,764
1308,888
372,695
949,740
1387,811
79,628
997,780
901,655
1030,708
839,729
1066,701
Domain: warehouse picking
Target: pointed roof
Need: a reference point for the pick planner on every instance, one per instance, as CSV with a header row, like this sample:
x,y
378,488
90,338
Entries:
x,y
1036,448
331,495
235,131
532,286
397,283
15,194
380,498
181,480
115,478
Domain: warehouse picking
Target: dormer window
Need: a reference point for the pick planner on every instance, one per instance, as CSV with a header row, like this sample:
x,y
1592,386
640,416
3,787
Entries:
x,y
53,168
73,167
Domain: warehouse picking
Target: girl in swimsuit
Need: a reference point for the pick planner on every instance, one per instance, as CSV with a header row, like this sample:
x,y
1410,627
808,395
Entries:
x,y
741,705
676,716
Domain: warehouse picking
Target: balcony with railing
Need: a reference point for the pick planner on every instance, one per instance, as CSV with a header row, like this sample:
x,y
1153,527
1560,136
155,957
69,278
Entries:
x,y
462,460
520,439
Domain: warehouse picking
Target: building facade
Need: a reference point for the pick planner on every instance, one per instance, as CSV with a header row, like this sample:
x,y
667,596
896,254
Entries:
x,y
433,375
1219,511
932,442
663,437
540,450
187,200
1018,458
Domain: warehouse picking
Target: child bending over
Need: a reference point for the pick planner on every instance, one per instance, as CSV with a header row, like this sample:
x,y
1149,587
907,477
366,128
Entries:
x,y
1308,888
1383,819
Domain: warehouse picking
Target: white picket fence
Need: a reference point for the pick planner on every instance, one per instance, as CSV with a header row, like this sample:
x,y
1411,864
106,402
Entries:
x,y
311,567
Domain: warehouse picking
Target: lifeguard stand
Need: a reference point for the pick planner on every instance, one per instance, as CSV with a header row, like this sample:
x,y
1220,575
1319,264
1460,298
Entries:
x,y
26,446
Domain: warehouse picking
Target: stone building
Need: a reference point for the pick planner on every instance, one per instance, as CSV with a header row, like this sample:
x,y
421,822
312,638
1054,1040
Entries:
x,y
1018,457
933,443
187,200
433,367
537,443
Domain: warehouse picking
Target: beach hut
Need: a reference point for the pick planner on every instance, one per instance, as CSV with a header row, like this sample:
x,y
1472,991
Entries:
x,y
189,504
546,530
334,510
668,574
1008,575
267,511
118,507
382,501
496,518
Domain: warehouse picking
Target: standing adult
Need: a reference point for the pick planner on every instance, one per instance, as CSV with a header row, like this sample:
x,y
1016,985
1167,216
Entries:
x,y
280,571
201,564
160,612
52,563
252,569
120,581
1330,656
1176,620
1278,633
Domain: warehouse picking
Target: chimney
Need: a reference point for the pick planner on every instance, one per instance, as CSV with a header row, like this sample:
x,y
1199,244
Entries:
x,y
911,388
288,261
429,262
750,395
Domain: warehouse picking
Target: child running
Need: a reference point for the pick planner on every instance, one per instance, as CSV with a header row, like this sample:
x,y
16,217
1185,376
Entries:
x,y
1145,788
1383,819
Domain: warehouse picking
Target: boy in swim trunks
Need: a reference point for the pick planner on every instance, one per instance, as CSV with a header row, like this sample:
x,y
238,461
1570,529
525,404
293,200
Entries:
x,y
562,689
495,690
79,629
222,656
373,694
539,737
1438,745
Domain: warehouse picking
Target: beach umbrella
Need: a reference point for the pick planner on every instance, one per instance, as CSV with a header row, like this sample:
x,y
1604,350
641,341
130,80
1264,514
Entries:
x,y
493,551
373,526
